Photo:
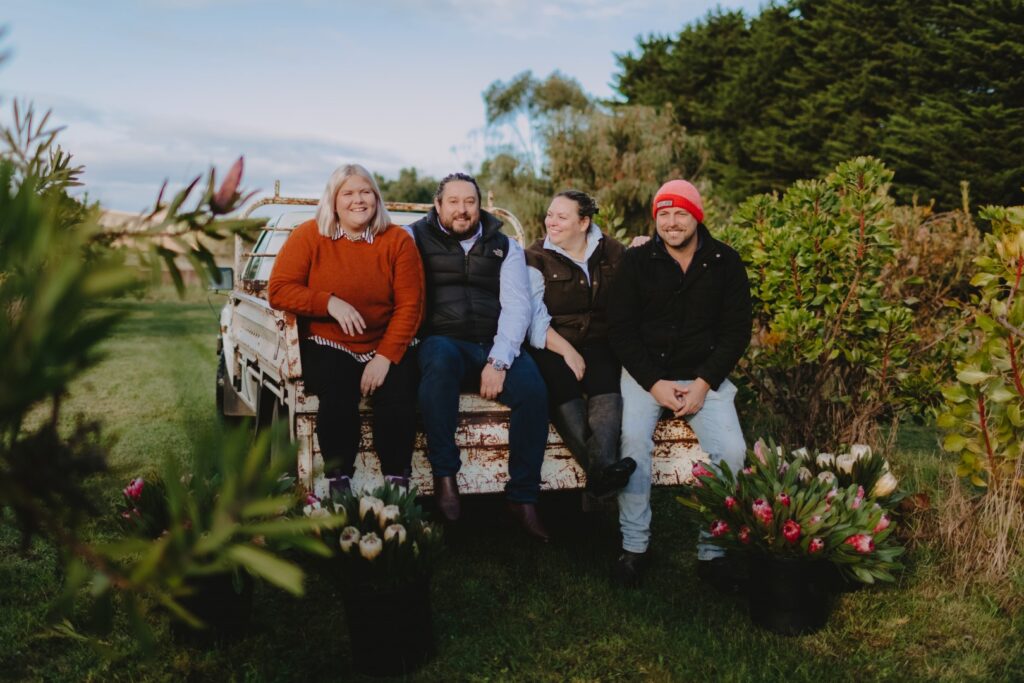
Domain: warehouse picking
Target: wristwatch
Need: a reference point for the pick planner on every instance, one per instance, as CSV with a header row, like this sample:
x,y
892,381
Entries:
x,y
497,364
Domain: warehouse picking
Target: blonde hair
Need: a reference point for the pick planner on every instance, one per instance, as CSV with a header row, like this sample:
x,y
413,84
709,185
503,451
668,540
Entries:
x,y
327,216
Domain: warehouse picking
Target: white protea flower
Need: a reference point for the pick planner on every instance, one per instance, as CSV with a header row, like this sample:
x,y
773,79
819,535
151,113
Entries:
x,y
800,453
308,510
825,460
349,537
885,485
370,546
844,463
827,477
395,531
319,512
388,514
860,450
804,475
368,504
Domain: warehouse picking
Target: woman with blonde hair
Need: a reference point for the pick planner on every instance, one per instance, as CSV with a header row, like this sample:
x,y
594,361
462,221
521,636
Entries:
x,y
356,282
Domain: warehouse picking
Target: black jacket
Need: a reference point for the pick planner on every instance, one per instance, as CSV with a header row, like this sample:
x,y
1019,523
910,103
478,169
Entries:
x,y
462,288
664,324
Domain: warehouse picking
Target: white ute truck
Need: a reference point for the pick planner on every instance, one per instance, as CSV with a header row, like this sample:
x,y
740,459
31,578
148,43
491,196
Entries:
x,y
260,376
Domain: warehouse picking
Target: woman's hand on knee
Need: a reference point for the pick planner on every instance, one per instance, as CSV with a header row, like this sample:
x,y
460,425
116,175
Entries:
x,y
575,362
373,374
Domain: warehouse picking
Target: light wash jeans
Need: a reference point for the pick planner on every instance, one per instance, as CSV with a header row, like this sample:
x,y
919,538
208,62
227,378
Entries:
x,y
718,430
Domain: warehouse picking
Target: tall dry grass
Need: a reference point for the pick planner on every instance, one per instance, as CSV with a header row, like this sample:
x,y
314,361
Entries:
x,y
982,537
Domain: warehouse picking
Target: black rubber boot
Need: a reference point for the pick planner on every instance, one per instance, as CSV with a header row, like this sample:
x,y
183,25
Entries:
x,y
570,419
608,474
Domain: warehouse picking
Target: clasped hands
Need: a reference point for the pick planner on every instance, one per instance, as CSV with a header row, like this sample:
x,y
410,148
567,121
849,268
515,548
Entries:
x,y
681,400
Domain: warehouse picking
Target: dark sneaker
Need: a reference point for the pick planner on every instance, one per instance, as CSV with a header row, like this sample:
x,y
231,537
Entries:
x,y
339,485
397,480
629,568
722,574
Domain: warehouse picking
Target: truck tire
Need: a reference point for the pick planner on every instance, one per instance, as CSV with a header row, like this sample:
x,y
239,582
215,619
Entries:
x,y
222,379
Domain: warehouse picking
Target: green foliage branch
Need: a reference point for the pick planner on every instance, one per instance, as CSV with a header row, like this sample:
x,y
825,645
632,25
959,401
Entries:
x,y
984,406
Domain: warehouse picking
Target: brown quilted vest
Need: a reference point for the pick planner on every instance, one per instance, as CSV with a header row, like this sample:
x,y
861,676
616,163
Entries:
x,y
578,310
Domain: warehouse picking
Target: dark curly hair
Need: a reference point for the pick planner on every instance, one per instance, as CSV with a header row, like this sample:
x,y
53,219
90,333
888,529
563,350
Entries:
x,y
586,206
465,177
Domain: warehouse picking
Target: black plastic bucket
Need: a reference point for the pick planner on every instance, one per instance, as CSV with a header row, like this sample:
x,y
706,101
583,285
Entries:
x,y
223,604
789,596
391,631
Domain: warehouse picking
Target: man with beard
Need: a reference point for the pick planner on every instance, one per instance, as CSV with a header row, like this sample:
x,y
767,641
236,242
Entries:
x,y
679,317
477,314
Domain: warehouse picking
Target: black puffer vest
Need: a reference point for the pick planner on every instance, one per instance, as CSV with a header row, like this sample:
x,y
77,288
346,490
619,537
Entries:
x,y
462,288
578,308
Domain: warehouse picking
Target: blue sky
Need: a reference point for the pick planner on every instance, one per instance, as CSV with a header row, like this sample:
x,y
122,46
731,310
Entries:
x,y
156,89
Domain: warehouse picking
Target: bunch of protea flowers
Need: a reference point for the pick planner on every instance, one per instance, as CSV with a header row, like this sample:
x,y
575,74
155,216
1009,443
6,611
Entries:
x,y
386,540
778,505
142,510
856,465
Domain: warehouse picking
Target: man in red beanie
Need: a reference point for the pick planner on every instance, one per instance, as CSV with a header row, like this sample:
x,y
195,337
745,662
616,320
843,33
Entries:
x,y
679,318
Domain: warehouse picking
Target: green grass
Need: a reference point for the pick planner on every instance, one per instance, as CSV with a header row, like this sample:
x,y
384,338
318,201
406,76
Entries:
x,y
504,609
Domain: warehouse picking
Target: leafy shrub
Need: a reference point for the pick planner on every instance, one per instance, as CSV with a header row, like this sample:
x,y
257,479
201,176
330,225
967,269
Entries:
x,y
832,347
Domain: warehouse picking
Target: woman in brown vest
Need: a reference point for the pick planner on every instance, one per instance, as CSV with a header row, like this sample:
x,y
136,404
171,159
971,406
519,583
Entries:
x,y
571,270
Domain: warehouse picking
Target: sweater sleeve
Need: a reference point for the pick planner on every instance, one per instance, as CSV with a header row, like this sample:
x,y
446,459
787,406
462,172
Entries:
x,y
409,299
288,288
624,325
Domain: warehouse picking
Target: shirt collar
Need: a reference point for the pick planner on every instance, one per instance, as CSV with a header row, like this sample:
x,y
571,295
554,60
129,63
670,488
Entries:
x,y
367,236
594,238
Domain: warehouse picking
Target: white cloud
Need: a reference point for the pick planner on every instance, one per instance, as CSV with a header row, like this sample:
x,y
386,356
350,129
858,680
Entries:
x,y
128,156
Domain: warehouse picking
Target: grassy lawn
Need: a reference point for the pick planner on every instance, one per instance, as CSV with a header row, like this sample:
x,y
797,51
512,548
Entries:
x,y
504,609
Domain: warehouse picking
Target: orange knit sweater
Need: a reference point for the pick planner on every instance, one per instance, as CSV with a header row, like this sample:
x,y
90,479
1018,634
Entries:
x,y
383,281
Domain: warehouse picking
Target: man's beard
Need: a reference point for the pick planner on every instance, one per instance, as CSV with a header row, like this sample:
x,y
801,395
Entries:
x,y
467,232
682,245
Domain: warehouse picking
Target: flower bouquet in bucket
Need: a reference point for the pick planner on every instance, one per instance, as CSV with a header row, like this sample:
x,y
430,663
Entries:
x,y
796,523
384,557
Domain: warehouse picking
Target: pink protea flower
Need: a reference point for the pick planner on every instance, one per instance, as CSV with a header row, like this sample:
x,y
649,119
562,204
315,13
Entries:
x,y
783,498
791,530
883,524
816,519
311,499
760,451
762,510
719,528
700,471
862,543
744,534
748,470
730,502
134,488
831,494
859,498
815,546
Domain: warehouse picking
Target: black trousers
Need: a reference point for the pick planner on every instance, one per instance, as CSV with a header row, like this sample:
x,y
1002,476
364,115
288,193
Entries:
x,y
601,376
334,377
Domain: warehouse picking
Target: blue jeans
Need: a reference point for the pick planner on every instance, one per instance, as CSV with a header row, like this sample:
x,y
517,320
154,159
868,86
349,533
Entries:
x,y
447,365
718,430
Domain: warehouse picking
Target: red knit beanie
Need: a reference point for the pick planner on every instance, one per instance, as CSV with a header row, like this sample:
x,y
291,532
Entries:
x,y
679,193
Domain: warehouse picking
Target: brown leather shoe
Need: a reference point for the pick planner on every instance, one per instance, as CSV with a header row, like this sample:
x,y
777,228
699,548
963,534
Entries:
x,y
526,515
446,495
